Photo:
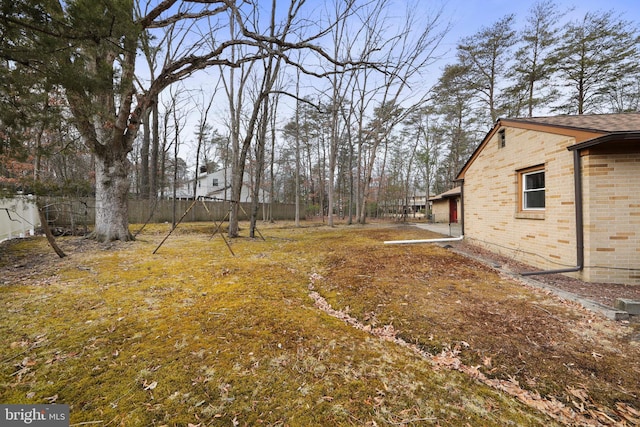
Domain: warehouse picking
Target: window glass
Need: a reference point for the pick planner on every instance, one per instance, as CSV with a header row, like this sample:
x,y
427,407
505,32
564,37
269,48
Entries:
x,y
533,190
534,181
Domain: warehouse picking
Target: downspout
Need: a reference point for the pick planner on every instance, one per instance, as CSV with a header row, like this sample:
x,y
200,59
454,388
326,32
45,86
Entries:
x,y
406,242
461,207
577,178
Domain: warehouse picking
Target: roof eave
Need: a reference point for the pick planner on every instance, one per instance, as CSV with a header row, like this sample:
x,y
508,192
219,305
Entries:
x,y
610,137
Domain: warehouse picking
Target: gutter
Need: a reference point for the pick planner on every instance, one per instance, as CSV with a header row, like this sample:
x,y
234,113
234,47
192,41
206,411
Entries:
x,y
577,178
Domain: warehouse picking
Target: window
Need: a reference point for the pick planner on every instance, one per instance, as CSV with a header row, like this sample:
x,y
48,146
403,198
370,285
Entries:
x,y
215,182
532,190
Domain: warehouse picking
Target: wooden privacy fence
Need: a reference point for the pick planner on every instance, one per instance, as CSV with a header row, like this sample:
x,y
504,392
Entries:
x,y
80,212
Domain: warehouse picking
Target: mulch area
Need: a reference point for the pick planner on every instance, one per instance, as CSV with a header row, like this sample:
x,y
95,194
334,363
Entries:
x,y
603,293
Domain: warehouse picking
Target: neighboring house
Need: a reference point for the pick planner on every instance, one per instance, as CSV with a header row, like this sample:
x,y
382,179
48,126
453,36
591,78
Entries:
x,y
445,207
559,193
418,205
18,217
216,186
413,206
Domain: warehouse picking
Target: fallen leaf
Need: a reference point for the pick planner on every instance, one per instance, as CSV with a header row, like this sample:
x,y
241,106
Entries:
x,y
579,393
624,407
150,386
28,362
486,361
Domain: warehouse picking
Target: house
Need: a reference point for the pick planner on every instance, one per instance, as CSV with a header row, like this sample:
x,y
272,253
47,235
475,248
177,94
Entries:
x,y
418,205
217,186
412,206
18,217
560,194
445,206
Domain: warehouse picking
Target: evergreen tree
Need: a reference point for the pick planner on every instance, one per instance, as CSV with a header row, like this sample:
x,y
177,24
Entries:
x,y
532,65
453,97
486,55
593,56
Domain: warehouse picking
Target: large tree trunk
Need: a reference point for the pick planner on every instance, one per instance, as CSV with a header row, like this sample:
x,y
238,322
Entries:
x,y
112,189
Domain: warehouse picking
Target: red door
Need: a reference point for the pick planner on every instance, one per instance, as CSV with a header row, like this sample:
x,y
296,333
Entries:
x,y
453,210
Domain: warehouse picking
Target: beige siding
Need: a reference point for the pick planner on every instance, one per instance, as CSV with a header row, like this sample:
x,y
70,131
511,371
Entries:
x,y
612,217
545,240
440,210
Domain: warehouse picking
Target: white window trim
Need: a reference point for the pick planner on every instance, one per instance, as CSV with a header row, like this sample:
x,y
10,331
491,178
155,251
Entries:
x,y
524,191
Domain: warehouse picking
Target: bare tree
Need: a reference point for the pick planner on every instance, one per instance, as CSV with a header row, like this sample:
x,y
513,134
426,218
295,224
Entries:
x,y
339,85
90,48
150,45
406,56
202,134
274,48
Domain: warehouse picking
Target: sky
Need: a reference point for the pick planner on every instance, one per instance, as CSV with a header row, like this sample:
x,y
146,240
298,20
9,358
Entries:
x,y
469,16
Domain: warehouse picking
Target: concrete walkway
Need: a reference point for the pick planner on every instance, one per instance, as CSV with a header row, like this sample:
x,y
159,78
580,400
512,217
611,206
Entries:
x,y
446,229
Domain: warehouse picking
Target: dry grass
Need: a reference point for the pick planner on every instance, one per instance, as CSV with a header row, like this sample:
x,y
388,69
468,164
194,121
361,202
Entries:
x,y
193,335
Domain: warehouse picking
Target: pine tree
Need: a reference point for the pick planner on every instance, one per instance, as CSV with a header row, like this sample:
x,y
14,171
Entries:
x,y
594,54
485,56
532,66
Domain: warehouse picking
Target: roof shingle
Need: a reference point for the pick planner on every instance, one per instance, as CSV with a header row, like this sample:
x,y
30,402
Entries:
x,y
622,122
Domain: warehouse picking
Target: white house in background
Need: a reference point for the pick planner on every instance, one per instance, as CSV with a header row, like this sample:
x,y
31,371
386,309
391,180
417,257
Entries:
x,y
217,185
18,217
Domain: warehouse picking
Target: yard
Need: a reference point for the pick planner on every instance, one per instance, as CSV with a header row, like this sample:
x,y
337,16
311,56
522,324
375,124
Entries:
x,y
312,326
